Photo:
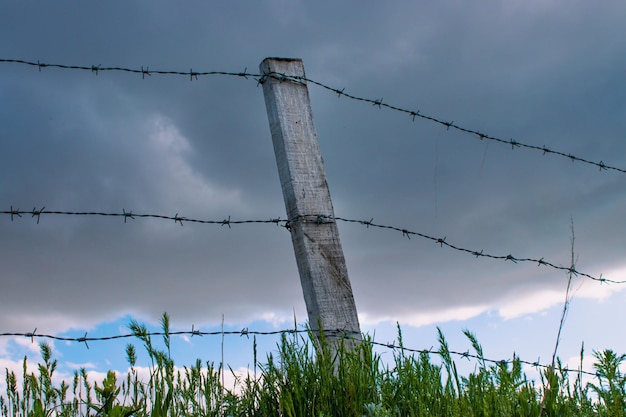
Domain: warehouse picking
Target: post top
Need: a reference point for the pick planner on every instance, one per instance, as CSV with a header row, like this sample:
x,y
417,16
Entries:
x,y
287,66
273,58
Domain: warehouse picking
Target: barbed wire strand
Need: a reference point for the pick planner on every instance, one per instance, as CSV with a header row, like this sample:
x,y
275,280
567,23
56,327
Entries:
x,y
451,125
342,333
310,218
143,71
442,242
260,78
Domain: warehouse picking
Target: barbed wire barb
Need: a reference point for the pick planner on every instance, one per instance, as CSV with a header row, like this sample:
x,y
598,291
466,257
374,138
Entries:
x,y
195,332
37,213
15,213
31,335
83,340
179,219
127,215
145,72
226,222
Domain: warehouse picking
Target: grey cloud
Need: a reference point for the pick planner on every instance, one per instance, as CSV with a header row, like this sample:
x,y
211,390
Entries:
x,y
79,141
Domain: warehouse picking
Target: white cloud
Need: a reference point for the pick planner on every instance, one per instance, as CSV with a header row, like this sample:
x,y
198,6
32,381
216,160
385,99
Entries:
x,y
513,307
17,366
277,319
14,367
235,379
538,301
32,346
424,319
519,304
49,323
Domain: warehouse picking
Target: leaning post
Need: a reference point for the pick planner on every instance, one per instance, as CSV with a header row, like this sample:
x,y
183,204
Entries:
x,y
319,255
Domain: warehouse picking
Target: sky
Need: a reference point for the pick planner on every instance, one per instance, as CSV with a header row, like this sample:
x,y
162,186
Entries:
x,y
542,73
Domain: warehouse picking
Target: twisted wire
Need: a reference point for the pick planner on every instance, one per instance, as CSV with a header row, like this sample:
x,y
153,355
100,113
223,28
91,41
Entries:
x,y
319,219
260,78
342,333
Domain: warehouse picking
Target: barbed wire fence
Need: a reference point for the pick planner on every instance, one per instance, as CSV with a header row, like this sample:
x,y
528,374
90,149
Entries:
x,y
260,79
247,333
320,219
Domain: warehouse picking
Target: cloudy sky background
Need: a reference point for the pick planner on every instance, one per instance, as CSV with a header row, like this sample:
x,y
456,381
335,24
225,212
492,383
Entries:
x,y
547,73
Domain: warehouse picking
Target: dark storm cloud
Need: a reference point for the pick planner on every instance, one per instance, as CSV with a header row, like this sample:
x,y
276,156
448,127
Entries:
x,y
543,73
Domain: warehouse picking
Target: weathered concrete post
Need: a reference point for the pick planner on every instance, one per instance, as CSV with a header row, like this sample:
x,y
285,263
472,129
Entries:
x,y
322,266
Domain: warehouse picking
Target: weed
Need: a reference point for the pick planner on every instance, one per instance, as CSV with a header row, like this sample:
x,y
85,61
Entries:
x,y
308,377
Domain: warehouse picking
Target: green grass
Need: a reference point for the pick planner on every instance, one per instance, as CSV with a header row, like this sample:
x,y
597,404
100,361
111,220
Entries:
x,y
307,378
